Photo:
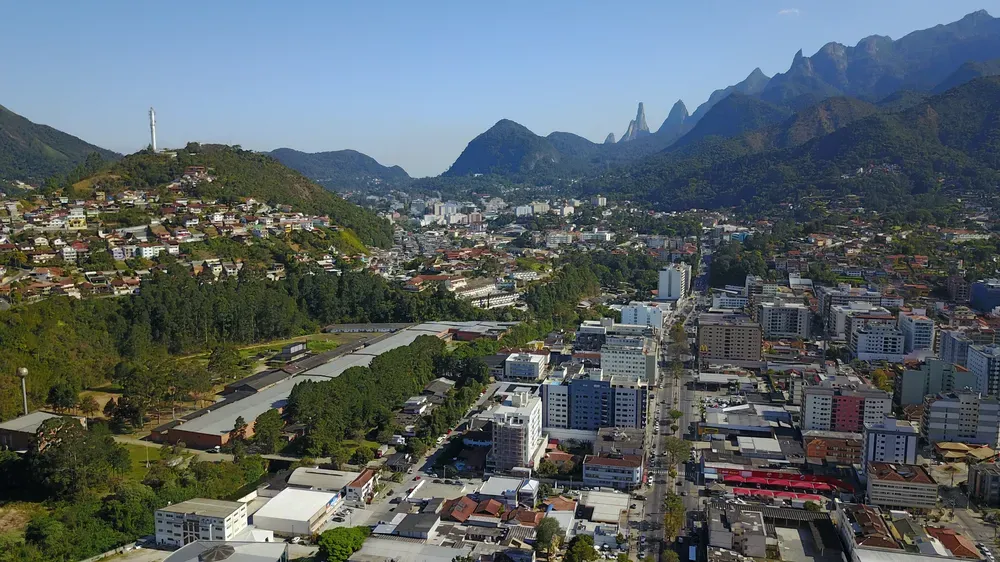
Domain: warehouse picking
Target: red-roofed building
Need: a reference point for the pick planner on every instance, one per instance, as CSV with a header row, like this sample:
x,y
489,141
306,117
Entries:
x,y
959,545
618,471
362,488
903,486
460,509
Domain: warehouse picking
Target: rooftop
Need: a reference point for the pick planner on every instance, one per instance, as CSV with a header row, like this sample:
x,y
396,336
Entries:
x,y
230,551
308,477
628,461
28,423
911,473
293,503
204,507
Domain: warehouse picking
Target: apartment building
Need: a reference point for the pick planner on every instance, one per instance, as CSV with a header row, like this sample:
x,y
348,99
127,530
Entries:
x,y
629,356
623,472
734,529
674,282
891,441
845,318
649,314
594,400
517,432
983,361
842,403
984,483
878,343
959,290
932,377
729,339
966,417
525,367
844,293
901,486
199,519
917,329
781,319
833,447
955,343
984,295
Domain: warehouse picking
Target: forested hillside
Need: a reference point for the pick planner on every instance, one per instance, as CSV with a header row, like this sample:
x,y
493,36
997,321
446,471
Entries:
x,y
342,169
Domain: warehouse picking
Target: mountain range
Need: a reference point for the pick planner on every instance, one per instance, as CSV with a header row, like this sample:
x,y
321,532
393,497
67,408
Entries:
x,y
342,170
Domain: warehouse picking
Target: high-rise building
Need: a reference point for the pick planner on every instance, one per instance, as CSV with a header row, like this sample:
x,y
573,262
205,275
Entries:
x,y
984,483
932,377
842,403
646,314
675,279
845,318
891,440
781,319
632,357
526,367
984,362
955,347
918,330
959,289
878,343
517,432
966,417
729,338
843,294
594,400
984,295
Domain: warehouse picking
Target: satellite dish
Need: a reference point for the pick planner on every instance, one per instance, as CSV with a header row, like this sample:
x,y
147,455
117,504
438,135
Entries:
x,y
217,553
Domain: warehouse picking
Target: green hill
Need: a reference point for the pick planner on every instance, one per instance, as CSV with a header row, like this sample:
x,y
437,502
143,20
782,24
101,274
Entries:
x,y
968,71
506,148
342,170
31,152
735,114
242,173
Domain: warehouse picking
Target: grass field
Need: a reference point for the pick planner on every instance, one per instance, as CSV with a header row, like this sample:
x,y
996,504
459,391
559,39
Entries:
x,y
138,455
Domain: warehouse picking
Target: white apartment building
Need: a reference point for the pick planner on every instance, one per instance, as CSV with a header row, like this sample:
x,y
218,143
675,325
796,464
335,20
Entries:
x,y
597,235
556,239
839,322
728,301
878,343
556,405
984,362
199,519
891,441
526,367
623,472
675,279
843,404
918,330
517,432
902,486
966,417
646,314
781,319
630,357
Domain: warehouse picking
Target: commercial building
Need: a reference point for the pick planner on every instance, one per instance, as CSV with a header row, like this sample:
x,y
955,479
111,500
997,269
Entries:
x,y
737,530
230,551
623,472
618,440
525,367
984,295
781,319
844,293
833,447
843,404
901,486
983,362
984,483
593,400
633,357
362,488
917,329
199,519
675,279
17,433
295,512
845,318
729,339
646,314
933,377
965,417
878,343
517,432
891,441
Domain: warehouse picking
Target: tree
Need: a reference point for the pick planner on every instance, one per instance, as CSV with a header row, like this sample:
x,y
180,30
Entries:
x,y
544,490
239,432
68,460
677,449
337,545
130,508
89,406
362,455
225,363
812,506
670,555
109,408
62,396
673,515
581,549
267,431
547,468
545,533
676,414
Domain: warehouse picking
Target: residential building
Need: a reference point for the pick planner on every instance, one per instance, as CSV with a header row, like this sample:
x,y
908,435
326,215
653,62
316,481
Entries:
x,y
891,441
833,447
984,295
984,483
901,486
955,347
737,530
526,367
933,377
729,339
599,201
728,301
781,319
675,279
878,343
556,239
623,472
844,404
594,400
959,290
646,314
983,361
844,293
634,357
362,488
845,318
619,440
962,416
199,519
917,329
866,534
517,432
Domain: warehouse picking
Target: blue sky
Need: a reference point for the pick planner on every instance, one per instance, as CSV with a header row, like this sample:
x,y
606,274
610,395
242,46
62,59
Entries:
x,y
407,82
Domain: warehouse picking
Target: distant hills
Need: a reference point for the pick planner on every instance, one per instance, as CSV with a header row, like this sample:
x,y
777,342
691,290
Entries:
x,y
30,152
342,170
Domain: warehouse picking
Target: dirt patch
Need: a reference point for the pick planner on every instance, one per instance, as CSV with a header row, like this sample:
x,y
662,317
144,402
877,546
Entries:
x,y
14,516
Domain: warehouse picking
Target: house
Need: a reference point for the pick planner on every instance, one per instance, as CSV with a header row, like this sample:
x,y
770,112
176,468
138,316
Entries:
x,y
362,488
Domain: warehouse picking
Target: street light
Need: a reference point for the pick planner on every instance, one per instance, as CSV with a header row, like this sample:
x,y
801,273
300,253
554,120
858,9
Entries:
x,y
22,372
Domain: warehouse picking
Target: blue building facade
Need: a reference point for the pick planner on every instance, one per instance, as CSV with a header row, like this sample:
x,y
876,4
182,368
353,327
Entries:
x,y
985,295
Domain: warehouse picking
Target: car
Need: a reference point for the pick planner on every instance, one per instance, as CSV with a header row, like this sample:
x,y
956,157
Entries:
x,y
680,482
416,478
390,492
295,540
437,480
410,491
338,519
684,493
633,506
215,449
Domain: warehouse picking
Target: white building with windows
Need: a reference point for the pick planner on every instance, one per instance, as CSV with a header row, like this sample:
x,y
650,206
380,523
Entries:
x,y
892,441
646,314
983,361
526,367
199,519
632,357
623,472
675,279
878,343
517,433
918,330
781,319
966,417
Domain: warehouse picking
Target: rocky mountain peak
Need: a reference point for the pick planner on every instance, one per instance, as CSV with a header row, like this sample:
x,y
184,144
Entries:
x,y
637,127
674,123
610,139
